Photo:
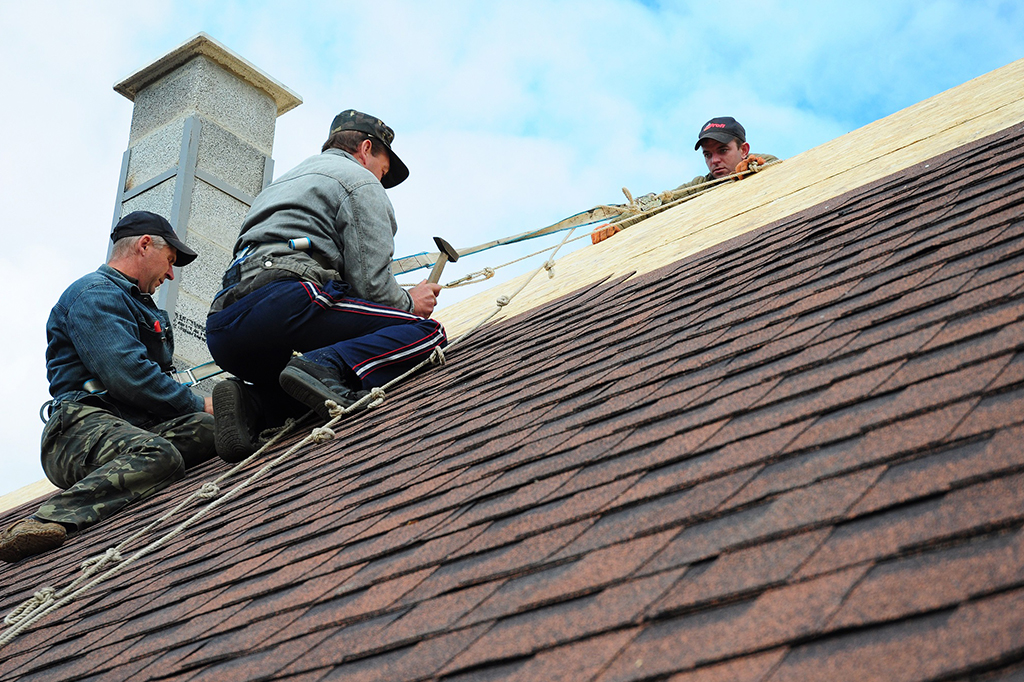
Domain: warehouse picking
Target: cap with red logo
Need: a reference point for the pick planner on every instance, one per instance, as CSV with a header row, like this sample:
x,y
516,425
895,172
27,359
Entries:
x,y
723,129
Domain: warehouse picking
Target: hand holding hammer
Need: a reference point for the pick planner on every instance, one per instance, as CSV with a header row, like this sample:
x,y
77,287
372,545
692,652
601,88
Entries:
x,y
424,294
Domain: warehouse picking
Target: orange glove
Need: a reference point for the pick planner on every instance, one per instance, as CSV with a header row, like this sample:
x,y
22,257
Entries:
x,y
744,165
602,233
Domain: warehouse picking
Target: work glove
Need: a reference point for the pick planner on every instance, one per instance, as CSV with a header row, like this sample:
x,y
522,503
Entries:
x,y
602,233
751,163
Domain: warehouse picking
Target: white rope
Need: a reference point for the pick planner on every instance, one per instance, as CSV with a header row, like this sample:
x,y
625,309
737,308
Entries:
x,y
47,600
322,434
40,599
33,609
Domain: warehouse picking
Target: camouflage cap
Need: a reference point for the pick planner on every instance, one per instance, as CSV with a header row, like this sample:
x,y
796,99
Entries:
x,y
723,129
350,119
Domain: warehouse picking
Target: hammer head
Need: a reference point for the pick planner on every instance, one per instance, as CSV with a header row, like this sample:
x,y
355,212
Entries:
x,y
447,249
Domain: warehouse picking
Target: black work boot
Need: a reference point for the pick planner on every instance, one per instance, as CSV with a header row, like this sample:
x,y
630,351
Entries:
x,y
311,384
236,421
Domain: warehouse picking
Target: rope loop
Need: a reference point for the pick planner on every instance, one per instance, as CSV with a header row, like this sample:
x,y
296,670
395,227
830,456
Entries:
x,y
437,357
503,301
472,278
39,600
112,555
208,491
322,434
378,395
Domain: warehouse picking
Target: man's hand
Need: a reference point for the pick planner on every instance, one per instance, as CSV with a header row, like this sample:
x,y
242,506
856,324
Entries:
x,y
208,404
424,298
602,233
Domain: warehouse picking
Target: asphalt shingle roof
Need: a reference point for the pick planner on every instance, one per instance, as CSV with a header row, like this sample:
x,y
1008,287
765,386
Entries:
x,y
794,455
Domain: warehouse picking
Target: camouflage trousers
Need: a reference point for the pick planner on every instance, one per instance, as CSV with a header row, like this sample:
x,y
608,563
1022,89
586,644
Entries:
x,y
105,463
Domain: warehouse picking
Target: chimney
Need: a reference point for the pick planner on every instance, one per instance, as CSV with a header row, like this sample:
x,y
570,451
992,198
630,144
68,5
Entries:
x,y
199,151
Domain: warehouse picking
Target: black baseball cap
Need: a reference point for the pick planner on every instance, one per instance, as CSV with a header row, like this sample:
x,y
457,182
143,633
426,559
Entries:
x,y
138,223
350,119
723,129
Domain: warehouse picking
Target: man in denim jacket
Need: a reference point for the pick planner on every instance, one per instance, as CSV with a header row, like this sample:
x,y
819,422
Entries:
x,y
121,428
312,274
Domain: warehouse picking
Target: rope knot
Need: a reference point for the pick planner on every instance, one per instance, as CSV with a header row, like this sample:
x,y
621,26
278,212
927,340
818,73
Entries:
x,y
488,273
322,434
97,562
648,202
503,301
549,265
437,357
377,394
208,491
39,600
334,409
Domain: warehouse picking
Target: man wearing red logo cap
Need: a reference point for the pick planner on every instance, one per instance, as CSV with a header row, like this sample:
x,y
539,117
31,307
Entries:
x,y
726,152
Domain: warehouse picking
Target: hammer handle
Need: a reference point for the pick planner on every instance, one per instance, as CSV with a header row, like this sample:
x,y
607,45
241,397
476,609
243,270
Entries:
x,y
435,274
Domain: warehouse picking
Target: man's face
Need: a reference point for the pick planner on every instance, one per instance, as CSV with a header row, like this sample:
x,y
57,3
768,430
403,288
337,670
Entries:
x,y
156,266
722,158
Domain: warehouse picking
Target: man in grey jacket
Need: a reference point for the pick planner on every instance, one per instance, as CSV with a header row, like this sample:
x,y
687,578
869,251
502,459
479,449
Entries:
x,y
312,273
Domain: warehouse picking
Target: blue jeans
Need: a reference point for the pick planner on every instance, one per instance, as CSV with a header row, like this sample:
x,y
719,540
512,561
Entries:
x,y
253,338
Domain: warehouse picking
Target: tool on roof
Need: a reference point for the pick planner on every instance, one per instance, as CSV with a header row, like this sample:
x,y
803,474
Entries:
x,y
448,253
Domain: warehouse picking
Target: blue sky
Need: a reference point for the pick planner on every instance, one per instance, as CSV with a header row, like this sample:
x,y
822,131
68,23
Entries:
x,y
509,115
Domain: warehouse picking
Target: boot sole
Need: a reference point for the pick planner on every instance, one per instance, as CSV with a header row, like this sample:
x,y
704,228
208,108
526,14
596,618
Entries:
x,y
230,427
30,543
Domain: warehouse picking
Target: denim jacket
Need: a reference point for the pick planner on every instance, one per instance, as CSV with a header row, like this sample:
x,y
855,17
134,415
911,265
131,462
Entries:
x,y
344,212
103,327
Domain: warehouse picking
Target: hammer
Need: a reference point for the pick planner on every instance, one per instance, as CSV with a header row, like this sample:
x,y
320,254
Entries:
x,y
447,254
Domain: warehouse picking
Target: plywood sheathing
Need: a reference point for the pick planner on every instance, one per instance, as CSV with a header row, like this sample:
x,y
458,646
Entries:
x,y
980,107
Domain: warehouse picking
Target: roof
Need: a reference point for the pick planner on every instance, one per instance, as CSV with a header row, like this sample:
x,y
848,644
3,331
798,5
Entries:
x,y
791,455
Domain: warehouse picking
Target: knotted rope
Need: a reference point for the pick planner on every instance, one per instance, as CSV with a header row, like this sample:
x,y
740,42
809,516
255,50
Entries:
x,y
47,599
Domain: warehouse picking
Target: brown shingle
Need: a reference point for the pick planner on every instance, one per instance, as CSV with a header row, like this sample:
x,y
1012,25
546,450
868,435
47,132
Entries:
x,y
793,455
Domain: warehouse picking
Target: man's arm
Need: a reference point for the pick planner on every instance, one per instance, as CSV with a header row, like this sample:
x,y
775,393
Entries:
x,y
107,338
367,225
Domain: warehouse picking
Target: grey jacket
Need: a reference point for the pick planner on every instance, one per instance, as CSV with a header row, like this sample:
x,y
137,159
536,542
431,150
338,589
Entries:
x,y
345,213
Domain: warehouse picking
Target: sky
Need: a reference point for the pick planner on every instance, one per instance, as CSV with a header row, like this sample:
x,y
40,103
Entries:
x,y
510,115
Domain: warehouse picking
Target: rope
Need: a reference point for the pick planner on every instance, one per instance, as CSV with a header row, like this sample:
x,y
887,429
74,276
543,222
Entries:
x,y
47,599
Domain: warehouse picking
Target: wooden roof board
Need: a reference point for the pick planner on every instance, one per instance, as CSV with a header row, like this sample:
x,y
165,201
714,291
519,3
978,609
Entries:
x,y
946,121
